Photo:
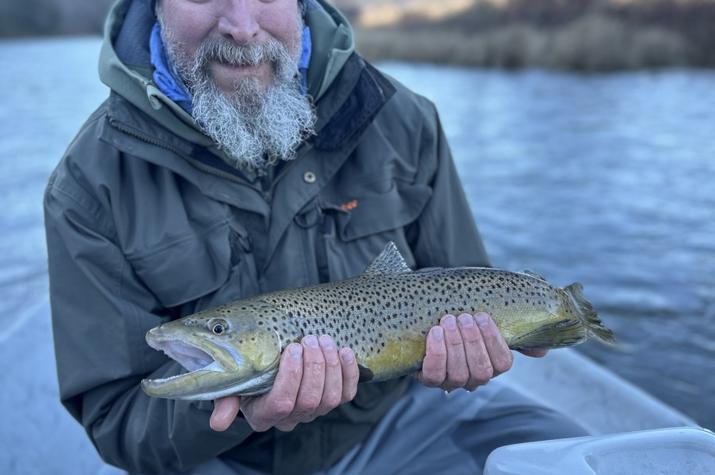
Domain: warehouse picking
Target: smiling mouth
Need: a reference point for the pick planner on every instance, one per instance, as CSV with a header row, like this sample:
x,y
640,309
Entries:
x,y
241,66
230,64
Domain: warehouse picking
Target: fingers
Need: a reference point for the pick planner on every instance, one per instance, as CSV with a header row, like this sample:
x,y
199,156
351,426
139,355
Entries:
x,y
434,365
478,361
311,388
333,388
351,374
327,381
464,353
312,380
499,353
457,370
224,413
265,412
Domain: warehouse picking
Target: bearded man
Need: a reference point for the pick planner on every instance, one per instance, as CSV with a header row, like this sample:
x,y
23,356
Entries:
x,y
245,147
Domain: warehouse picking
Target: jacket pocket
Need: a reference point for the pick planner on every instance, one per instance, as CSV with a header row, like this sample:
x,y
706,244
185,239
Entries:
x,y
187,268
368,222
242,280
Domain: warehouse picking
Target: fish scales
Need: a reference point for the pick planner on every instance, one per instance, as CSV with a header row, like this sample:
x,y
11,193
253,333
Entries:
x,y
383,314
369,312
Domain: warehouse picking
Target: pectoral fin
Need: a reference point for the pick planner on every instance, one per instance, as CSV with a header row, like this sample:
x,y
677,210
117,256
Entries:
x,y
365,374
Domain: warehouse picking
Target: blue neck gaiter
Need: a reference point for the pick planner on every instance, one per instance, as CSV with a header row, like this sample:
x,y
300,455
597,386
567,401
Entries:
x,y
165,77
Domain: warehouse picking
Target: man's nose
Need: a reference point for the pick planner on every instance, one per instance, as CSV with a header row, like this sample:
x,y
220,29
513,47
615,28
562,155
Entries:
x,y
239,21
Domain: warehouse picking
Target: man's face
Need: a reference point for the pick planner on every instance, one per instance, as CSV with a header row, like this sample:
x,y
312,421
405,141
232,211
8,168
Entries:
x,y
193,23
239,61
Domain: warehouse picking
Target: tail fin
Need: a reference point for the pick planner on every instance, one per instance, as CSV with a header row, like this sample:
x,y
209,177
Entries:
x,y
587,314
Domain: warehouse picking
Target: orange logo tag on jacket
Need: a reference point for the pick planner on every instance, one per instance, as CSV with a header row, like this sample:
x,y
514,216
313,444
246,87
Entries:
x,y
349,206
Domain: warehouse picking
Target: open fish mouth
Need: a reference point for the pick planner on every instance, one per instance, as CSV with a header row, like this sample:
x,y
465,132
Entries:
x,y
207,378
204,375
191,357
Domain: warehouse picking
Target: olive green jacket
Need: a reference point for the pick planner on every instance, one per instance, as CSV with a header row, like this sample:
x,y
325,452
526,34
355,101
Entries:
x,y
147,222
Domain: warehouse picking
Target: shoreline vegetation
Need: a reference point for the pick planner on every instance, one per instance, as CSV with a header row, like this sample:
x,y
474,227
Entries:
x,y
581,35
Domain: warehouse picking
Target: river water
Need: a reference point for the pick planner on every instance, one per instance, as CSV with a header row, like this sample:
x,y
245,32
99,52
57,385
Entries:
x,y
604,179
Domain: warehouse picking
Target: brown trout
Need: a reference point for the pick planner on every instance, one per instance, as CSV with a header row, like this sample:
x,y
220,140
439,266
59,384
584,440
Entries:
x,y
383,314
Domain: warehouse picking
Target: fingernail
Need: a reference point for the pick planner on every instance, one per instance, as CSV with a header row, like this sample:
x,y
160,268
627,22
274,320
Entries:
x,y
295,350
326,342
438,333
347,355
466,320
310,341
449,322
482,319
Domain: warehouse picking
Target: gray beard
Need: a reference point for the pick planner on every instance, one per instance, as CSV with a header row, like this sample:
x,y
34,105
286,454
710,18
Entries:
x,y
254,125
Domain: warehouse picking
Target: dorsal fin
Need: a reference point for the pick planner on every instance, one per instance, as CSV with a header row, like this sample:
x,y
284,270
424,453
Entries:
x,y
533,274
390,261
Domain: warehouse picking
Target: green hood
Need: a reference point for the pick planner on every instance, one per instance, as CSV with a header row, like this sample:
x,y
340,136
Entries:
x,y
125,67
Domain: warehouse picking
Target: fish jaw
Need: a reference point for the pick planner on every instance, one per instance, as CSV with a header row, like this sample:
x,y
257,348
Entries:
x,y
215,369
207,384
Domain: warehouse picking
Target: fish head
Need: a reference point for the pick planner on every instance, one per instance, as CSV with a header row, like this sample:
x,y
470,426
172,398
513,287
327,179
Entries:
x,y
227,350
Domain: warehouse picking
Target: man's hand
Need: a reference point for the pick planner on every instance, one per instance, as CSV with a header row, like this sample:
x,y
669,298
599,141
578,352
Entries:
x,y
313,379
466,352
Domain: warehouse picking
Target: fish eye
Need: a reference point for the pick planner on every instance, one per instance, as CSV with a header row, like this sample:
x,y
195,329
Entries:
x,y
218,326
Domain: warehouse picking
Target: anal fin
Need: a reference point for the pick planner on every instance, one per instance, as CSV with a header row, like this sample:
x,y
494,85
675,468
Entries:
x,y
552,335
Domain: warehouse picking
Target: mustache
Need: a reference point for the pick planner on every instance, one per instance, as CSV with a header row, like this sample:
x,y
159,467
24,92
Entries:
x,y
223,50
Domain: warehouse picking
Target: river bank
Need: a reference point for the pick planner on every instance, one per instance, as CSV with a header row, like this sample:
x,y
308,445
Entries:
x,y
594,43
583,35
591,35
